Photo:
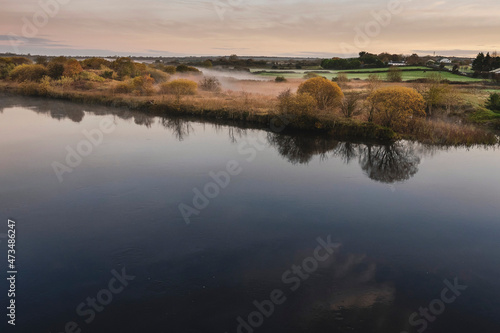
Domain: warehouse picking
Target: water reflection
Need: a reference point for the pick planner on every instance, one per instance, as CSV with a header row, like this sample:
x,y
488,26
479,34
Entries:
x,y
386,163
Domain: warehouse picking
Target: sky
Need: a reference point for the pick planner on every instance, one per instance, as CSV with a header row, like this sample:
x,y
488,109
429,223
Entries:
x,y
302,28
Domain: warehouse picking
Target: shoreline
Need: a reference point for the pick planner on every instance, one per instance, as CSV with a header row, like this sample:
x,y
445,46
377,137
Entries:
x,y
337,128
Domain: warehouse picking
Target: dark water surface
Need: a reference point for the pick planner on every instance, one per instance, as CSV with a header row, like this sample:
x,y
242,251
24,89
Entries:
x,y
404,218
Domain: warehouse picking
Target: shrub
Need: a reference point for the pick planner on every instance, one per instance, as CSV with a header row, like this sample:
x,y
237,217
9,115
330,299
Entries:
x,y
280,79
326,93
90,76
6,66
72,68
158,75
169,69
83,85
179,88
210,83
396,107
143,85
123,87
95,63
493,102
187,69
296,104
124,67
28,73
311,75
55,70
395,74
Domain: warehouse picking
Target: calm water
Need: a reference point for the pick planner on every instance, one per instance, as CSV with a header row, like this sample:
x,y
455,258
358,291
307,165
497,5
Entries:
x,y
404,219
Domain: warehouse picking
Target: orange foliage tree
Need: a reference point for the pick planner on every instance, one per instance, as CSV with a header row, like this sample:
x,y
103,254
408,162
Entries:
x,y
396,107
72,68
326,93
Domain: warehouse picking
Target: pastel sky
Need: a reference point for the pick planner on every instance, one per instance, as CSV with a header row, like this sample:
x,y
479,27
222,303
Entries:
x,y
248,27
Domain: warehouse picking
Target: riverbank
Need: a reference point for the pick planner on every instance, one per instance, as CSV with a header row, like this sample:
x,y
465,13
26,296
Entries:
x,y
247,109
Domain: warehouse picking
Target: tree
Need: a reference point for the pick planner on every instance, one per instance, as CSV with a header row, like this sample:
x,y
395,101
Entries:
x,y
395,74
395,107
326,93
296,104
207,64
435,93
41,60
478,63
349,105
493,102
210,83
143,85
72,68
55,70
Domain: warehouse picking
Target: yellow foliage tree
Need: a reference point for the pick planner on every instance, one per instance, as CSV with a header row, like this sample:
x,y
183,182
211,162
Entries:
x,y
326,93
396,107
296,104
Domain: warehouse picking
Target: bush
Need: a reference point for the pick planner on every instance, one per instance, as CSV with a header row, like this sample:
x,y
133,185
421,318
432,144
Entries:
x,y
280,79
187,69
395,74
95,63
210,83
296,104
493,102
179,88
143,85
28,73
90,76
158,75
326,93
72,68
55,70
311,75
123,87
6,66
396,107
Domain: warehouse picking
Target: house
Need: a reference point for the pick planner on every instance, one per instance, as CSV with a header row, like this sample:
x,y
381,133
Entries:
x,y
496,71
393,63
445,61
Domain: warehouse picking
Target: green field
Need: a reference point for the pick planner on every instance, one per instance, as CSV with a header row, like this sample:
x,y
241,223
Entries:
x,y
358,74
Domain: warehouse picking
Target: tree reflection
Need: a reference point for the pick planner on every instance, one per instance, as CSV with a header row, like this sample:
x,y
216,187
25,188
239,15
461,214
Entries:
x,y
389,163
301,149
180,128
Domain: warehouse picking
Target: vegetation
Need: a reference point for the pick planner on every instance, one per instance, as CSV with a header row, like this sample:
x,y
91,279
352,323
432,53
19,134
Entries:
x,y
326,93
493,102
369,109
395,74
210,83
396,107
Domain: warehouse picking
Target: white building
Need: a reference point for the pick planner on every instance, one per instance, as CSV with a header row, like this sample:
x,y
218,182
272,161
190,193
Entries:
x,y
496,71
392,63
445,61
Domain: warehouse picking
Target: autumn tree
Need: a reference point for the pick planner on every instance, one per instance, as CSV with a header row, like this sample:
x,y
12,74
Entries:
x,y
396,107
350,104
55,70
72,68
296,104
326,93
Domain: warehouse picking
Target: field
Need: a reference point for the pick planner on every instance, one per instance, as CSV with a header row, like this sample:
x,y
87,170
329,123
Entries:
x,y
409,73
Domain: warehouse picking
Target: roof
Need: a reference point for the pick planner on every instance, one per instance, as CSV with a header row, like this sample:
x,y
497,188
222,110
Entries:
x,y
496,71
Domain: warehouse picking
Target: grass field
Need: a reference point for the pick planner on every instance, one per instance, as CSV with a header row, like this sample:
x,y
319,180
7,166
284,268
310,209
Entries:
x,y
358,74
